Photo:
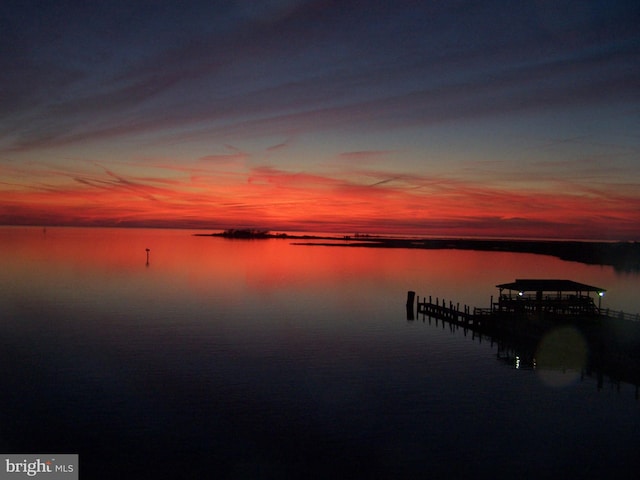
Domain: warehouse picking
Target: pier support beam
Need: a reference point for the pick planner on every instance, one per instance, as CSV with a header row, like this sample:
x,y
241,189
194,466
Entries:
x,y
411,295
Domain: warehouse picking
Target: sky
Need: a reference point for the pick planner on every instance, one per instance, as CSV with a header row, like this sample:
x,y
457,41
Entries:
x,y
458,118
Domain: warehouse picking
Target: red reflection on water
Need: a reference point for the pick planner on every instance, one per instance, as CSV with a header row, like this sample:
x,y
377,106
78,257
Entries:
x,y
206,266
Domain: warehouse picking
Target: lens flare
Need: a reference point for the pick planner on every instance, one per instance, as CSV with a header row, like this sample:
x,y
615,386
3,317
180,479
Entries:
x,y
561,356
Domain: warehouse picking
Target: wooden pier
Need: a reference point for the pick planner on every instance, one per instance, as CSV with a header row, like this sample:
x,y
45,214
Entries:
x,y
466,316
477,317
537,300
517,325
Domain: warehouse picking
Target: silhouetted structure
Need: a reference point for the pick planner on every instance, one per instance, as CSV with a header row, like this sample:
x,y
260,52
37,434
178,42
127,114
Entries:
x,y
548,298
410,299
246,233
537,300
528,309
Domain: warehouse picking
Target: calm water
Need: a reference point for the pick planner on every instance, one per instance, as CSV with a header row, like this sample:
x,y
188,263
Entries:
x,y
261,359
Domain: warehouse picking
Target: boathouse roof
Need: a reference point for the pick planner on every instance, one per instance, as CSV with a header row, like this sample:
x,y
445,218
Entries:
x,y
548,285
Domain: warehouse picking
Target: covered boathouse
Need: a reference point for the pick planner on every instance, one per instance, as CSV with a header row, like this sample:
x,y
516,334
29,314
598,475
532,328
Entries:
x,y
549,298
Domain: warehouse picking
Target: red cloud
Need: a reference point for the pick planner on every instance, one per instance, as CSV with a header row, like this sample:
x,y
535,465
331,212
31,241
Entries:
x,y
356,200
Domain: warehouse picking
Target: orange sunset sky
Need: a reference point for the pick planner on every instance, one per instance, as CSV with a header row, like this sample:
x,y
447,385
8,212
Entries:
x,y
422,118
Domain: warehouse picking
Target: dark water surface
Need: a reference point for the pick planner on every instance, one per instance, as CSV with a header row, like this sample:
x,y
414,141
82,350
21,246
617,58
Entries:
x,y
260,359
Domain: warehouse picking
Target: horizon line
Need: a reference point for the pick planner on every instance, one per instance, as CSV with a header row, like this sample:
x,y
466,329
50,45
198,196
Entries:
x,y
339,234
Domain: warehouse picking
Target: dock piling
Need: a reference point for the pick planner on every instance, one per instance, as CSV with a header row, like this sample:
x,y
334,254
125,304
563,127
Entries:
x,y
410,299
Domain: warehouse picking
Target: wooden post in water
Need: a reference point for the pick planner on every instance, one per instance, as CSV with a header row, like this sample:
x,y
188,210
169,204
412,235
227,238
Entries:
x,y
410,298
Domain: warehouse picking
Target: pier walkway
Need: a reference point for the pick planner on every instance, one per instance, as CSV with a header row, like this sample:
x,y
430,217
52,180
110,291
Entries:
x,y
467,316
612,338
548,299
474,316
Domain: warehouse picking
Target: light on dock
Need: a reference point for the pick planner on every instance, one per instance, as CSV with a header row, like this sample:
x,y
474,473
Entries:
x,y
600,295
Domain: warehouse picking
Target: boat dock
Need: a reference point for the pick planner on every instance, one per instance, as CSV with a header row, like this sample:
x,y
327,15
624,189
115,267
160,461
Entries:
x,y
531,299
465,316
525,311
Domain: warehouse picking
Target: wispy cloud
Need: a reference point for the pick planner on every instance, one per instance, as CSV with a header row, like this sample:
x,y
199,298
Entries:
x,y
191,85
366,156
234,157
279,146
322,114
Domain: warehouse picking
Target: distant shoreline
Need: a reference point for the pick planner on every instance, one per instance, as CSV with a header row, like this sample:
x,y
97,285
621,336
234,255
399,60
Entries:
x,y
623,256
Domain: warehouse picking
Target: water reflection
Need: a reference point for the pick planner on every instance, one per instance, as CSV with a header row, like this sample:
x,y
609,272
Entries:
x,y
563,354
270,266
236,357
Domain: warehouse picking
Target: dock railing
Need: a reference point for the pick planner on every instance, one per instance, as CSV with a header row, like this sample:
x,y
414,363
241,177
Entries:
x,y
451,312
620,315
467,315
